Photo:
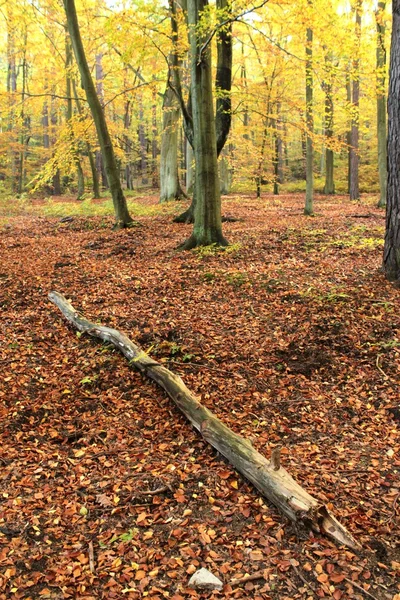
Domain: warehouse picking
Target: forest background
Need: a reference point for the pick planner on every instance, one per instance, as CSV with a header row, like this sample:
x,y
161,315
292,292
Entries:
x,y
48,140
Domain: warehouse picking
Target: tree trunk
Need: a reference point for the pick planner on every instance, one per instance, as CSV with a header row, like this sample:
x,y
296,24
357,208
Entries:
x,y
101,172
12,76
391,252
74,142
268,476
189,167
92,160
56,187
207,216
220,125
123,219
154,147
308,208
170,188
225,176
354,134
142,145
381,101
329,187
348,134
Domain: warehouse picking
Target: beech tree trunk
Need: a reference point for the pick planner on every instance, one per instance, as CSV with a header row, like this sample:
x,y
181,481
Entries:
x,y
381,101
201,81
329,187
391,252
122,216
170,188
74,143
207,213
92,160
308,208
354,134
189,167
269,477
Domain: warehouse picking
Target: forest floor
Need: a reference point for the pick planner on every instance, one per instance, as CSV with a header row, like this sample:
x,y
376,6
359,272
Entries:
x,y
290,336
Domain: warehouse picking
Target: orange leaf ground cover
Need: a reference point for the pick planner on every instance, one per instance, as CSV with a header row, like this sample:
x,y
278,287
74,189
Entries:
x,y
291,337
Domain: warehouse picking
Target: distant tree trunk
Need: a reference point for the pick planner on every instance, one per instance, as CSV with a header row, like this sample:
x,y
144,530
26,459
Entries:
x,y
170,188
348,134
154,147
381,100
207,220
225,176
74,143
100,94
329,187
391,252
24,125
260,169
308,208
143,145
189,167
11,89
122,216
92,160
354,143
56,188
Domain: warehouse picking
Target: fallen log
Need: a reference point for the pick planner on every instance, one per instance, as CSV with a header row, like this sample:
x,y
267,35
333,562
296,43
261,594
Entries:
x,y
269,477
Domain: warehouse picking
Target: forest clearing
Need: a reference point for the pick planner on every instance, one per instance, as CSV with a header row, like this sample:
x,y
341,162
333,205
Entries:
x,y
290,336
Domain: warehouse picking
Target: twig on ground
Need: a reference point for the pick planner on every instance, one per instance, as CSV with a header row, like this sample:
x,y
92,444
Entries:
x,y
91,557
359,587
246,578
301,576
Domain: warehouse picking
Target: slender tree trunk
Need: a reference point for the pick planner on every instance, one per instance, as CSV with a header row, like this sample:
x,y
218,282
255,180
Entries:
x,y
100,94
308,208
122,216
92,160
354,144
170,188
56,188
143,145
391,252
74,142
207,220
348,134
11,89
329,187
381,100
24,126
225,176
189,167
154,146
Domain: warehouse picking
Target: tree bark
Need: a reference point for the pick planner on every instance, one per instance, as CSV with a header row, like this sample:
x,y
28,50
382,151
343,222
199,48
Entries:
x,y
329,187
170,188
381,101
68,90
222,121
308,208
207,213
269,477
92,160
354,157
391,252
122,216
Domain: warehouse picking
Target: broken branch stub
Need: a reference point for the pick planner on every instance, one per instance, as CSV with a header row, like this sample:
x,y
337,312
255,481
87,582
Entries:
x,y
269,477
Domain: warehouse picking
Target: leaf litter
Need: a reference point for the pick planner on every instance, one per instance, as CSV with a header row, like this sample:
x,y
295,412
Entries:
x,y
291,337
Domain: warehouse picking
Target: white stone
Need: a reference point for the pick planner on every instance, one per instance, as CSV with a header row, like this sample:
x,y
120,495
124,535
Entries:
x,y
205,580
